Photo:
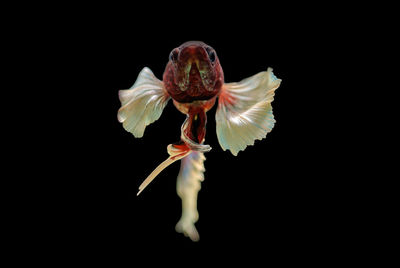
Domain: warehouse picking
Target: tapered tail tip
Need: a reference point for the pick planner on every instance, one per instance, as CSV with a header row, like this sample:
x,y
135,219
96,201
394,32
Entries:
x,y
188,229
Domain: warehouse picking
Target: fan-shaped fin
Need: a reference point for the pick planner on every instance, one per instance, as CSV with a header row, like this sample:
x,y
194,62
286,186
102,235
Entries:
x,y
244,112
143,103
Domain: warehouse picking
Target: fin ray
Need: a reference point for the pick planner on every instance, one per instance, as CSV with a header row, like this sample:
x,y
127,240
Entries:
x,y
175,154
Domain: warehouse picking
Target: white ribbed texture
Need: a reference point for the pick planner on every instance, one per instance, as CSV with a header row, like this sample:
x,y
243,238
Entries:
x,y
188,185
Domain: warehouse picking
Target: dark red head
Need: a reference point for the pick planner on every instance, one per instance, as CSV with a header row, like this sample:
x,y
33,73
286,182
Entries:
x,y
193,73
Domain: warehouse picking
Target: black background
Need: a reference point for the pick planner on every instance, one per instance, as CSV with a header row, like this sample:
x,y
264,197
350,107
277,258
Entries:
x,y
285,196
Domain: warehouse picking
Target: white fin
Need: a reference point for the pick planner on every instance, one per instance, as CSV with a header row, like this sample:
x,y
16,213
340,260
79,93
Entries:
x,y
244,112
175,154
188,185
143,103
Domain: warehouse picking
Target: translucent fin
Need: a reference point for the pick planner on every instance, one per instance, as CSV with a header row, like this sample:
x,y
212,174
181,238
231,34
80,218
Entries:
x,y
143,103
175,153
188,185
244,112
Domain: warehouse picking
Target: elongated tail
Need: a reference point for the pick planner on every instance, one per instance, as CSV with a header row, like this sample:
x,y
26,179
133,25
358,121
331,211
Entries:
x,y
188,185
190,175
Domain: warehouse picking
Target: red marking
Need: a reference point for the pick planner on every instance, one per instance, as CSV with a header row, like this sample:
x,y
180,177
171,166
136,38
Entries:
x,y
225,98
181,147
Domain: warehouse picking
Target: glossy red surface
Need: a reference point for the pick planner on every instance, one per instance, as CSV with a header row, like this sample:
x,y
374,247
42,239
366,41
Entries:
x,y
193,73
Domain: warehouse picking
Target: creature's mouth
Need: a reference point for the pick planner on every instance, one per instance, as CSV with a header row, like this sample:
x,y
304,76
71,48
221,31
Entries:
x,y
193,78
194,74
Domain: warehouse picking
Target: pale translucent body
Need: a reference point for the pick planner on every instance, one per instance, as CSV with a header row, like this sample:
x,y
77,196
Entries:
x,y
188,185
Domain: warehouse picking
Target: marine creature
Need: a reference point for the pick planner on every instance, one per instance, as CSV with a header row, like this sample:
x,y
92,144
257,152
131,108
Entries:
x,y
193,79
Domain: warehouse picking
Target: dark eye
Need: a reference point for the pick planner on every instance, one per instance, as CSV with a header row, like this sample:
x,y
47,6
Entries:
x,y
173,56
211,54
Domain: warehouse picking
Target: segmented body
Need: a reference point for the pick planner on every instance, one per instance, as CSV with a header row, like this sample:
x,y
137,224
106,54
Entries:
x,y
188,185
